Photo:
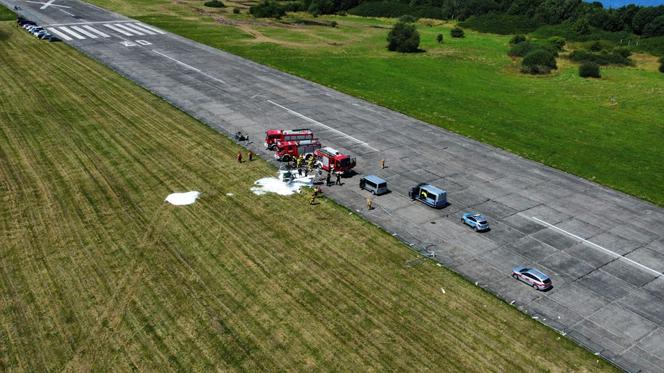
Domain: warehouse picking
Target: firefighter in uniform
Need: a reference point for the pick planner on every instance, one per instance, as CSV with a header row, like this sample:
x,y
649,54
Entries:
x,y
369,203
239,157
298,163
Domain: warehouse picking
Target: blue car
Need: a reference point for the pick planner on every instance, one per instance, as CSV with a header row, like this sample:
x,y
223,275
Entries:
x,y
475,221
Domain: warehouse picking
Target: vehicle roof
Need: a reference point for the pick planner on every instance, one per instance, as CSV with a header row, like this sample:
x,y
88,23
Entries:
x,y
432,189
537,274
374,179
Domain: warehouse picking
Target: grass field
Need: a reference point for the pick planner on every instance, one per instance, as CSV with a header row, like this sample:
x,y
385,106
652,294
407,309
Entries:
x,y
610,131
99,273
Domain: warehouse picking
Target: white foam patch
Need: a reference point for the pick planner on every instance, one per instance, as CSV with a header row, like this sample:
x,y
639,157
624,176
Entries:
x,y
181,199
281,186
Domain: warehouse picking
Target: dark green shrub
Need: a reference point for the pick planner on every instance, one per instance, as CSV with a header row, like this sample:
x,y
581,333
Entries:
x,y
655,28
589,70
601,58
403,38
395,9
521,49
236,10
267,9
318,7
503,24
214,4
557,42
582,27
538,61
517,39
625,52
457,32
596,46
439,38
334,24
661,67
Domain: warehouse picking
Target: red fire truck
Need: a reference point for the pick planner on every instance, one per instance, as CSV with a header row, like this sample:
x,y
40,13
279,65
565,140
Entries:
x,y
287,150
273,137
334,161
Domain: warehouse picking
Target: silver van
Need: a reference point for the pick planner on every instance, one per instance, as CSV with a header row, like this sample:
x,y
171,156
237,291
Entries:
x,y
374,184
429,195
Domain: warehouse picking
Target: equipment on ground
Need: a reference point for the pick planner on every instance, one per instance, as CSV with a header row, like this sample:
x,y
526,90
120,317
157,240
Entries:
x,y
274,137
332,160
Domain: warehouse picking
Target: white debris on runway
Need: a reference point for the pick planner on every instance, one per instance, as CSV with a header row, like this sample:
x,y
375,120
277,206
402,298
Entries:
x,y
287,184
181,199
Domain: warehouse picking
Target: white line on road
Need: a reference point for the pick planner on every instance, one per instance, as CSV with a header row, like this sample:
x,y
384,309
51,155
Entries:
x,y
158,31
60,34
612,253
189,67
92,29
124,27
47,4
71,32
84,32
134,26
323,125
123,32
86,23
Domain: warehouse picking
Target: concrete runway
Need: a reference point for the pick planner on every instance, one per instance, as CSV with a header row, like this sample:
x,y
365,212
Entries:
x,y
603,249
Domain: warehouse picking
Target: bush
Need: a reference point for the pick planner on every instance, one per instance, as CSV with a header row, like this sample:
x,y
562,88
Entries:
x,y
236,10
557,42
521,49
457,32
655,28
602,58
395,10
214,4
439,38
538,61
589,70
334,24
517,39
503,24
661,67
267,9
403,38
622,51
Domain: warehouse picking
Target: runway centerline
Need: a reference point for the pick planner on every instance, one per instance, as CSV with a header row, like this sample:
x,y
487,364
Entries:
x,y
592,244
323,125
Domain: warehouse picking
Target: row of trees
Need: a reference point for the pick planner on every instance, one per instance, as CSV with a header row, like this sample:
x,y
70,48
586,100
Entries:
x,y
647,21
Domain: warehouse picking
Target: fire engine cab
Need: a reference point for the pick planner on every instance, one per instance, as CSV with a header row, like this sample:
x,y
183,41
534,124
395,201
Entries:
x,y
287,150
273,137
330,160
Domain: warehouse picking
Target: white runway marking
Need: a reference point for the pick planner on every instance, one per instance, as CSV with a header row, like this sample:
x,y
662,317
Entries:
x,y
92,29
112,27
323,125
190,67
47,4
124,27
134,26
72,32
611,253
158,31
60,34
86,23
84,32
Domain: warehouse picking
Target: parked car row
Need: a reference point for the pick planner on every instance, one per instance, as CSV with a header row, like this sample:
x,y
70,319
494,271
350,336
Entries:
x,y
36,30
437,198
429,195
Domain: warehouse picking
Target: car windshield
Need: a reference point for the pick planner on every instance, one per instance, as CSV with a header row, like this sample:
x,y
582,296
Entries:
x,y
344,162
482,221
